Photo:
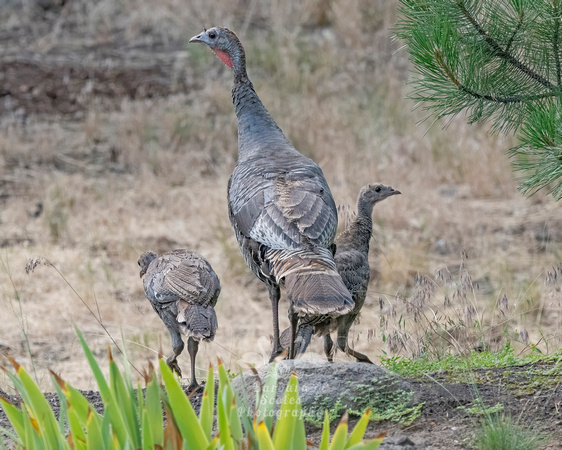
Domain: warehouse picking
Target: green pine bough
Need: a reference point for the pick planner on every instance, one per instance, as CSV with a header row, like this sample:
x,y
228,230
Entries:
x,y
498,60
133,420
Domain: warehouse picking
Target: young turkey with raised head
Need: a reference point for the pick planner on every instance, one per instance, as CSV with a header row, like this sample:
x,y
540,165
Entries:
x,y
183,289
280,205
352,261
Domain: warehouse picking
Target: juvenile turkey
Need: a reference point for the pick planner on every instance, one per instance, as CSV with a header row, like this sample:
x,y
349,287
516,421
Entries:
x,y
352,261
183,289
280,205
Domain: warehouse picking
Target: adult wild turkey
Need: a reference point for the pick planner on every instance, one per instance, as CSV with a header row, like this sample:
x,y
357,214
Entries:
x,y
183,289
352,261
280,205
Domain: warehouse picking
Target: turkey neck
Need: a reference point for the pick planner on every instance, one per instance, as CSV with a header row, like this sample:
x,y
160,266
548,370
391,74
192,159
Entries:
x,y
361,229
257,131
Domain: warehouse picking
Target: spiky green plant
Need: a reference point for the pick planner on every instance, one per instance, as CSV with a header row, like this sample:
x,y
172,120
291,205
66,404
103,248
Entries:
x,y
133,420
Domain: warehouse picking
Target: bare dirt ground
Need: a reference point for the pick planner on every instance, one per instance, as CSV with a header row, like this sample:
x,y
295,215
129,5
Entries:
x,y
116,138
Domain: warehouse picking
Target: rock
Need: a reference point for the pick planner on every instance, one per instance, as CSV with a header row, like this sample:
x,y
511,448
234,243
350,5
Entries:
x,y
332,386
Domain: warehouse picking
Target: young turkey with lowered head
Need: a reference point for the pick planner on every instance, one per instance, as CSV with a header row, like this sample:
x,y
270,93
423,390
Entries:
x,y
183,289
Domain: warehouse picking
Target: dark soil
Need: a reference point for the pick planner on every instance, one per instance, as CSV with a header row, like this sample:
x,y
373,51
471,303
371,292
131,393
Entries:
x,y
532,399
67,86
51,74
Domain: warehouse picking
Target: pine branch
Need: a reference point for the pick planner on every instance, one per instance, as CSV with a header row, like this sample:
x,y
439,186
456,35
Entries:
x,y
517,28
555,37
490,97
499,52
498,60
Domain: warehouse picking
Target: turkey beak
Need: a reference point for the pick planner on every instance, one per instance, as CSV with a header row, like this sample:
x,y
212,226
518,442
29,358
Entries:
x,y
396,192
198,38
142,272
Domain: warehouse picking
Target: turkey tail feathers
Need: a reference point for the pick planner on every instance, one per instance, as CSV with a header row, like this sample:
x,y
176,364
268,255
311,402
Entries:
x,y
313,284
199,322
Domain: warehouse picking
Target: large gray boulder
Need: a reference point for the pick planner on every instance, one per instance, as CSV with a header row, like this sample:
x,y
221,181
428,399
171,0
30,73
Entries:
x,y
333,386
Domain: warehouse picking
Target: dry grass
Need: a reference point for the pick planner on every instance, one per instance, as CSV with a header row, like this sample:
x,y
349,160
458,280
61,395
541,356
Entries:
x,y
152,174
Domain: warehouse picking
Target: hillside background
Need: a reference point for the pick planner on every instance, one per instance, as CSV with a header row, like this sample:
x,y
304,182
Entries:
x,y
116,138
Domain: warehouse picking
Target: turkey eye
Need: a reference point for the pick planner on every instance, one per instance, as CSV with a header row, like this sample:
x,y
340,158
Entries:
x,y
378,189
212,34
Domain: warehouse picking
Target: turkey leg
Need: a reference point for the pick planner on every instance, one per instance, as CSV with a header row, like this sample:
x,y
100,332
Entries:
x,y
360,357
294,317
192,347
274,294
177,347
329,347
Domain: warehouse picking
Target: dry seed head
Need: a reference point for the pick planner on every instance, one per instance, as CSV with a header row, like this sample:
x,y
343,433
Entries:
x,y
443,275
552,277
524,336
383,323
503,304
466,281
424,289
469,313
34,262
396,342
371,334
464,257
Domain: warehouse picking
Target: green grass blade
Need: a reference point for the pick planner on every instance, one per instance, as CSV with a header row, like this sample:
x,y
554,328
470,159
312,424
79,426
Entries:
x,y
126,364
214,443
147,439
31,438
172,436
245,416
154,410
77,435
94,437
369,445
126,401
109,401
208,404
224,385
63,410
235,425
289,429
325,441
223,414
181,408
340,435
75,398
140,401
264,438
267,399
14,415
110,440
103,387
46,422
358,432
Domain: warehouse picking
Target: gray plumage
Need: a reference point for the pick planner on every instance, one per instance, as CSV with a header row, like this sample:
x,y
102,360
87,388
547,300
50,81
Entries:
x,y
352,261
183,289
280,205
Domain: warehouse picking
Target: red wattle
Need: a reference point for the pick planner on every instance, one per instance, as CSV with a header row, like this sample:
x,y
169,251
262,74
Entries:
x,y
224,58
